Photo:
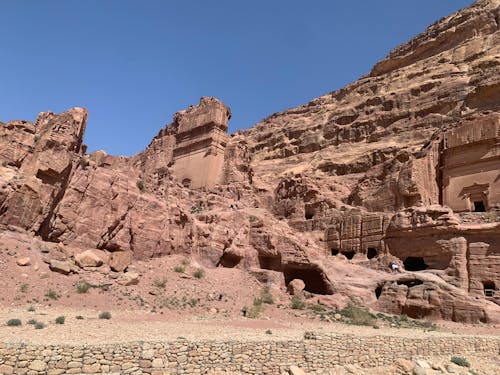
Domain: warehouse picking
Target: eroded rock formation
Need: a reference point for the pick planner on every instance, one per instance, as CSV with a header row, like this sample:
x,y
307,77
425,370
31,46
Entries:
x,y
331,193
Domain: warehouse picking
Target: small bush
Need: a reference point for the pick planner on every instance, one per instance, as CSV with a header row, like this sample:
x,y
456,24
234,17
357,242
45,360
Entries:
x,y
32,321
269,332
39,325
317,308
60,320
31,309
160,283
196,210
460,361
186,262
79,317
252,218
23,288
199,273
358,316
266,296
140,186
51,294
298,303
14,322
179,269
105,315
83,287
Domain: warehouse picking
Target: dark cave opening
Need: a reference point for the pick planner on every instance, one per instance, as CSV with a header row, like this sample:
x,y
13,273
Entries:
x,y
371,253
229,260
489,288
334,251
378,291
314,278
479,206
348,254
415,264
270,263
410,283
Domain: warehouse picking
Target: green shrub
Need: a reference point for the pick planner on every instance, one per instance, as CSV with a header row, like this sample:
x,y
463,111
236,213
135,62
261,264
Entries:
x,y
32,321
298,303
60,320
160,283
317,308
83,287
358,316
266,296
51,294
79,317
31,309
199,273
39,325
140,186
23,288
269,332
105,315
252,218
196,210
186,262
460,361
14,322
179,269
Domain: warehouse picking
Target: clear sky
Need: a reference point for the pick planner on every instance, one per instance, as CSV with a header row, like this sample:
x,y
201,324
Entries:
x,y
134,63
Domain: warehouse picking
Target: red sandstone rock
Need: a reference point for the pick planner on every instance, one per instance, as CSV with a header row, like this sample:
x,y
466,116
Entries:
x,y
330,193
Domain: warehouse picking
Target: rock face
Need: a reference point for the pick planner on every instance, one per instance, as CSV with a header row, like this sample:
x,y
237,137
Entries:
x,y
329,195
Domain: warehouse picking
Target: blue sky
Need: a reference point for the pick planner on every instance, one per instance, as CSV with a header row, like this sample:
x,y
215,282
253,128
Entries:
x,y
134,63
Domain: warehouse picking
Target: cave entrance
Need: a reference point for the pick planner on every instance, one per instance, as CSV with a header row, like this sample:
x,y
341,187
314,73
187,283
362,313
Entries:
x,y
489,288
335,251
371,253
270,262
314,278
348,254
479,206
378,291
415,264
229,260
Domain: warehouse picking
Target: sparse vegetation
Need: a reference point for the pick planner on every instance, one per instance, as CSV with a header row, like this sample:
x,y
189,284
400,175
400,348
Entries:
x,y
140,186
39,325
317,308
179,269
186,262
160,283
199,273
269,332
358,315
51,294
60,320
298,303
266,296
252,218
83,287
31,309
32,321
460,361
195,210
79,317
105,315
4,163
14,322
23,287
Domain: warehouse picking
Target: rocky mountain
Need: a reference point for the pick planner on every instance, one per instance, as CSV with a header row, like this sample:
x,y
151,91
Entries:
x,y
363,194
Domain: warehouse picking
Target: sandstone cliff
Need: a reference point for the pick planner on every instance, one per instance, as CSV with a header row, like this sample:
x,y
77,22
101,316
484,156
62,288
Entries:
x,y
332,192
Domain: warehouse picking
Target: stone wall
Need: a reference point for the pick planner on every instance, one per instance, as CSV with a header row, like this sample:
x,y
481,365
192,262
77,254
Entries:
x,y
316,353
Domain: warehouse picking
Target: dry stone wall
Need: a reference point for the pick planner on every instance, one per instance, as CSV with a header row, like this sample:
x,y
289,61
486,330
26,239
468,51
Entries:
x,y
315,354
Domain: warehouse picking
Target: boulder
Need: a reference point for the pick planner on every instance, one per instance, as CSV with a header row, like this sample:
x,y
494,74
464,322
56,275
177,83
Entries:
x,y
295,287
120,260
88,258
25,261
59,266
128,278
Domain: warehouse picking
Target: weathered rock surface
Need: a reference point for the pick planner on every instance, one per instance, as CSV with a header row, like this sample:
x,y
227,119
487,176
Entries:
x,y
329,194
